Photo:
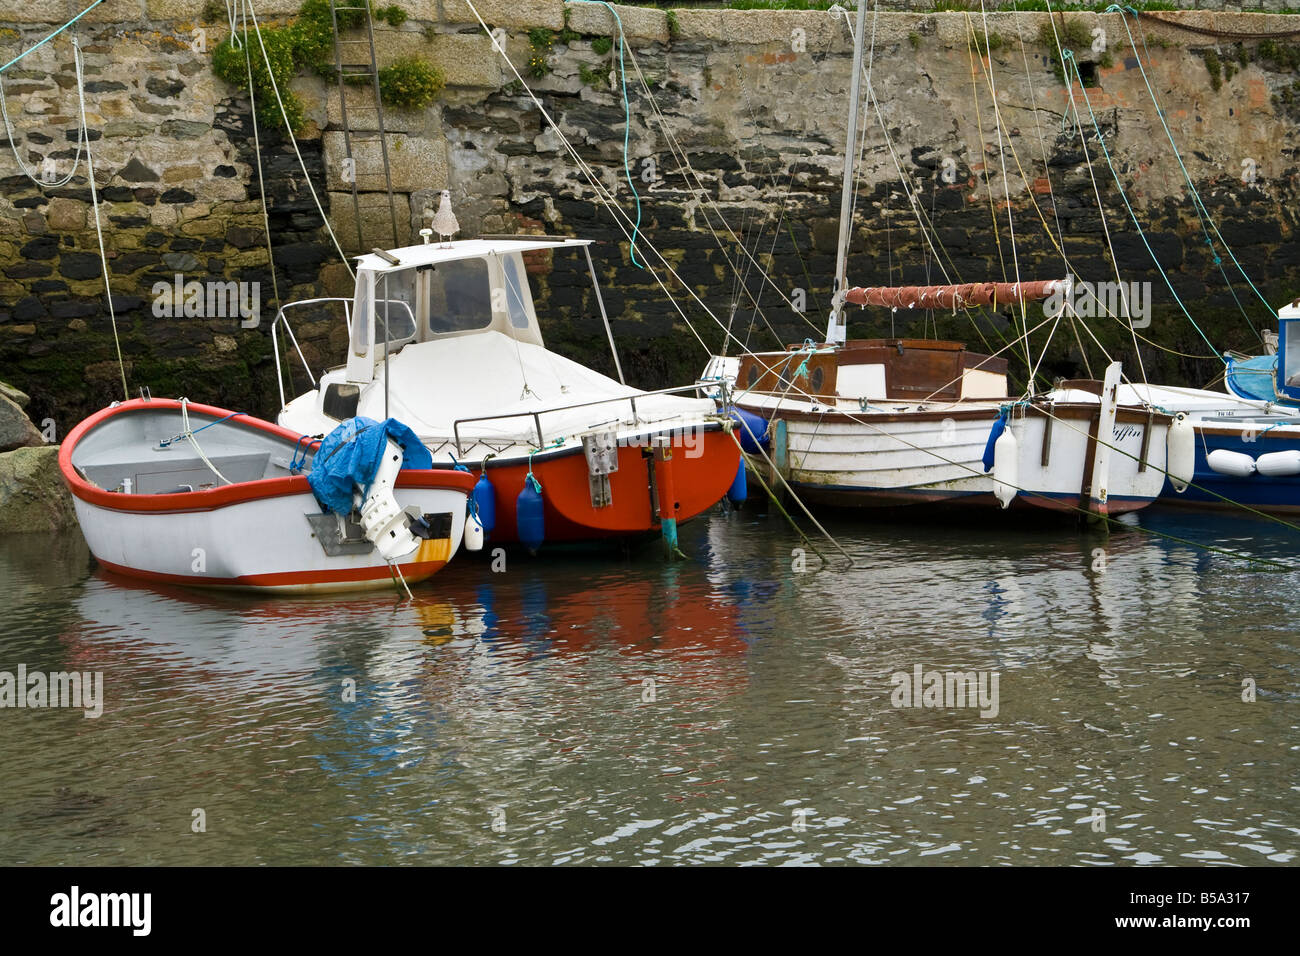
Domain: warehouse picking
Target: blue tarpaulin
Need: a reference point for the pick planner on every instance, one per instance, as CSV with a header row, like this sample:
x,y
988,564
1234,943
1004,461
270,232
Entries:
x,y
1253,378
350,455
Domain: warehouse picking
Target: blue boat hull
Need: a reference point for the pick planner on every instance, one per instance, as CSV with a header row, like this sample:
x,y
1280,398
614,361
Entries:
x,y
1209,489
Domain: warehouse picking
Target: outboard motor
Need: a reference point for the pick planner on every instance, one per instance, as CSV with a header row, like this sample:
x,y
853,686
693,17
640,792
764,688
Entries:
x,y
383,522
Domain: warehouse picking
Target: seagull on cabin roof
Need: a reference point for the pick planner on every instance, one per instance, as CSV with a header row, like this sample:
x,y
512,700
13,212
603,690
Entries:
x,y
444,221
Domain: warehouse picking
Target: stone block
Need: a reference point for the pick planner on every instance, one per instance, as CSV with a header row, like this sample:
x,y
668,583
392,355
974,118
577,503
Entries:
x,y
466,59
509,13
414,162
376,225
66,215
639,23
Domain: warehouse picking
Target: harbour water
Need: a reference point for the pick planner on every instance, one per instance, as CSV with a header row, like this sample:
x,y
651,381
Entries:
x,y
726,708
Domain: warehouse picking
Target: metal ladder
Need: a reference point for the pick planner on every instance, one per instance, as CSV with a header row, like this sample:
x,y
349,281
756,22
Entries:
x,y
354,68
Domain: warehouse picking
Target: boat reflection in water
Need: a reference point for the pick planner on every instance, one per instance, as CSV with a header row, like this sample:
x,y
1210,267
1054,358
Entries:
x,y
536,632
640,711
476,645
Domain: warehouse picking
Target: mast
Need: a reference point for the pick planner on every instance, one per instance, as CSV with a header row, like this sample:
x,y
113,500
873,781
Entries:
x,y
837,327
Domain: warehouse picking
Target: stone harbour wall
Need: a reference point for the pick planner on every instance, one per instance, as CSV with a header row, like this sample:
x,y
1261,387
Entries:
x,y
737,163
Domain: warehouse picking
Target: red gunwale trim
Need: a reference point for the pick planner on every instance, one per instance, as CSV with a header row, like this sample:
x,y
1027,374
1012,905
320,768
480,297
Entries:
x,y
214,498
415,571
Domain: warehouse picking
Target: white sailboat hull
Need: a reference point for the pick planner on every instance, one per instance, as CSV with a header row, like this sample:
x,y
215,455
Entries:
x,y
863,459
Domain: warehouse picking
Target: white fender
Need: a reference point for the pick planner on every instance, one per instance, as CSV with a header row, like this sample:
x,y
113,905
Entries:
x,y
1234,464
473,539
1278,464
1180,449
1006,467
382,521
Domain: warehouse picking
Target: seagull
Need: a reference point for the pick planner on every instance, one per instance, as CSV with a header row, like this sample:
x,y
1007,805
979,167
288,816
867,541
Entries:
x,y
444,221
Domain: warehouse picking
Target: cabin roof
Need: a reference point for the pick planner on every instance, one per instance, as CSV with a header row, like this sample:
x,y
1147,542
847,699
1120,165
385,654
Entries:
x,y
435,252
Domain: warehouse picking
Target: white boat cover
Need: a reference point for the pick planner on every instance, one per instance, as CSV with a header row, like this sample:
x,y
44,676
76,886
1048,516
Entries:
x,y
434,384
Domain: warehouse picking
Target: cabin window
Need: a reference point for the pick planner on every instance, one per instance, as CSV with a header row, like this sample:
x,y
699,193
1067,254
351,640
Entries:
x,y
460,297
361,314
516,303
1290,357
395,302
786,377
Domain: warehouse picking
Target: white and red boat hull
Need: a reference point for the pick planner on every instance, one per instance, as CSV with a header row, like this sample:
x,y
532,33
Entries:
x,y
251,534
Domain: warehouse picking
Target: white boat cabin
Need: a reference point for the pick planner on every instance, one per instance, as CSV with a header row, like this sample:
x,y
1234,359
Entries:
x,y
434,292
1288,350
445,338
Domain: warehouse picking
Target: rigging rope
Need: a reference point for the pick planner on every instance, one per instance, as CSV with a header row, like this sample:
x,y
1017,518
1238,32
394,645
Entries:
x,y
94,203
275,88
621,219
189,433
1203,214
679,154
1006,186
627,125
37,46
924,221
1069,62
22,166
257,148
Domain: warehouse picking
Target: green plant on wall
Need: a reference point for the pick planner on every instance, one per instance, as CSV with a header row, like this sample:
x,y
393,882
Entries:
x,y
394,15
1072,34
592,77
233,64
540,42
568,34
984,45
602,45
1214,67
308,43
1280,56
410,83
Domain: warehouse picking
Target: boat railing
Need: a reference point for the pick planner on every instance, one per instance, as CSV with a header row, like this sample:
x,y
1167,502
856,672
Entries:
x,y
537,414
275,340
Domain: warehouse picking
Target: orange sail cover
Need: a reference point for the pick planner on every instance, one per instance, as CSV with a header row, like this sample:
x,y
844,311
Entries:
x,y
955,296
